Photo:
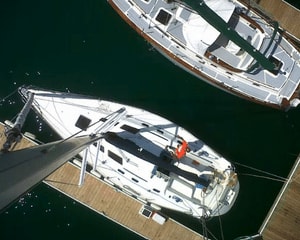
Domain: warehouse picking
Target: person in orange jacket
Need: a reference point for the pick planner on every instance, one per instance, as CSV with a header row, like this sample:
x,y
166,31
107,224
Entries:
x,y
181,149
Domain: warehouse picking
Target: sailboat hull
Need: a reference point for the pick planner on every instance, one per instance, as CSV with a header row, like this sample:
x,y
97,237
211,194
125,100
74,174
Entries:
x,y
139,153
183,36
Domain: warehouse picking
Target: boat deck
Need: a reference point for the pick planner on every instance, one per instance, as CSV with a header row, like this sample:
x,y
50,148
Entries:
x,y
283,219
173,33
112,204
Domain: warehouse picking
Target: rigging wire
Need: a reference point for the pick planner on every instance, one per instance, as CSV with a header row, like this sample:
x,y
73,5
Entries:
x,y
260,176
206,231
204,228
203,222
261,171
221,227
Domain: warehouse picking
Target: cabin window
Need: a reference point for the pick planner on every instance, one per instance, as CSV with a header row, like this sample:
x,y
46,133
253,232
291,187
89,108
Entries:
x,y
163,17
278,64
130,129
115,157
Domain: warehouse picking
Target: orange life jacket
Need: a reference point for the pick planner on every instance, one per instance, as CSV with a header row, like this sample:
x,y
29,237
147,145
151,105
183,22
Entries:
x,y
181,150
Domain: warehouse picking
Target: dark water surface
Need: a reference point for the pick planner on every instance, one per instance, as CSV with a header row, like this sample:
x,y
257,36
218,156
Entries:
x,y
85,47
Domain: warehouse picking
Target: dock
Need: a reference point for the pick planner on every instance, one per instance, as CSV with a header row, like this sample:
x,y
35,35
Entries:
x,y
283,219
282,12
111,203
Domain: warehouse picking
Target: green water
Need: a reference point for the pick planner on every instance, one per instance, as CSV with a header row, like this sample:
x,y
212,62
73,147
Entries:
x,y
85,47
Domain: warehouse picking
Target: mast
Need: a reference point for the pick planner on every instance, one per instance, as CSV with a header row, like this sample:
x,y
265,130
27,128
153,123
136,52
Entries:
x,y
22,169
14,134
219,24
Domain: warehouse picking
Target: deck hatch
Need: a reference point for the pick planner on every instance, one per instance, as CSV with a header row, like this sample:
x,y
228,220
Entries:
x,y
163,17
277,63
83,122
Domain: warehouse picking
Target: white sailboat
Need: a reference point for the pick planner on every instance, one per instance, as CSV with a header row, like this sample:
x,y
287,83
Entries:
x,y
143,154
223,42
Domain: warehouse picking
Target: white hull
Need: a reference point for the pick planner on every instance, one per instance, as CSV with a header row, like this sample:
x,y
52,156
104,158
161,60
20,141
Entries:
x,y
267,73
133,154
